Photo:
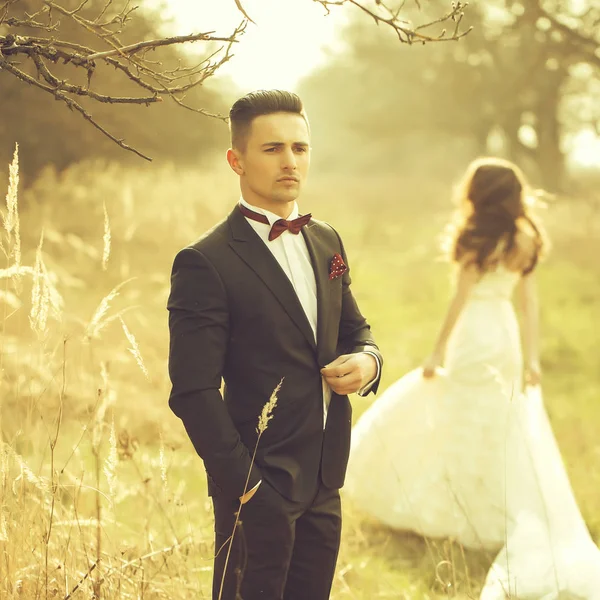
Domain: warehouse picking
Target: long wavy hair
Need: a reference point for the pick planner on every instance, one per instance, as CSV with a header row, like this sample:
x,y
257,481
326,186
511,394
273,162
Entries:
x,y
494,206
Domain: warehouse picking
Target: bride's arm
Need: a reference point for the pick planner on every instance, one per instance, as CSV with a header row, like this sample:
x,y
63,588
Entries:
x,y
467,278
529,306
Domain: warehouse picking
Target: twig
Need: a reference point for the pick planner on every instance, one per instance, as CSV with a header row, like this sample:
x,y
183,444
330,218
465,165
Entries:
x,y
53,484
81,581
79,91
14,22
241,9
405,32
181,39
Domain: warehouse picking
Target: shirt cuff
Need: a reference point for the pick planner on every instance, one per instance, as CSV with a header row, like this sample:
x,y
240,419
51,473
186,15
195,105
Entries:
x,y
249,493
367,388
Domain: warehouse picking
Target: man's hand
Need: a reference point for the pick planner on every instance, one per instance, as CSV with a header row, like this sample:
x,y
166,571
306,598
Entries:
x,y
349,373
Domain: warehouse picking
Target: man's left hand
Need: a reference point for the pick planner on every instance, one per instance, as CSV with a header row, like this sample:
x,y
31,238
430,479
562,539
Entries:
x,y
349,373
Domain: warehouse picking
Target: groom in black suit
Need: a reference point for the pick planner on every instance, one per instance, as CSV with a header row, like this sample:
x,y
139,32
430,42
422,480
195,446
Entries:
x,y
265,295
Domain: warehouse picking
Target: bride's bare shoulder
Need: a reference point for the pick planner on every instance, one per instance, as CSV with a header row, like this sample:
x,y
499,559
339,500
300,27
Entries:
x,y
524,250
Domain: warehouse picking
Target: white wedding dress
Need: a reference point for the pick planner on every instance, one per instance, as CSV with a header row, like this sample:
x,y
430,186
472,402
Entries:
x,y
469,455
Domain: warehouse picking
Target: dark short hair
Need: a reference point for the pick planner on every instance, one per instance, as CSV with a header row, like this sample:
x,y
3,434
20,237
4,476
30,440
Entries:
x,y
256,104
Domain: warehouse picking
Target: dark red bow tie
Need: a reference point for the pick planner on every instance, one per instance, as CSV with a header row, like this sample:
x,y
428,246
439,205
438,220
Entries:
x,y
294,226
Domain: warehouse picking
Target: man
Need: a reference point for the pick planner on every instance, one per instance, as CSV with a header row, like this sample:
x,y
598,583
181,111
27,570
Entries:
x,y
265,295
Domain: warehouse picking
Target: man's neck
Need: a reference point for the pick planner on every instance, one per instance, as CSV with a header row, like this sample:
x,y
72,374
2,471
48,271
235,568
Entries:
x,y
281,209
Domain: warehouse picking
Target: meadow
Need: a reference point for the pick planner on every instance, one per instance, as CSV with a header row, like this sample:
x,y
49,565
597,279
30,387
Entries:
x,y
101,493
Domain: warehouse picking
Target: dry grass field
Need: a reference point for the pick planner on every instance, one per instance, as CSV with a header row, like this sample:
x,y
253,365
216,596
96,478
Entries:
x,y
101,494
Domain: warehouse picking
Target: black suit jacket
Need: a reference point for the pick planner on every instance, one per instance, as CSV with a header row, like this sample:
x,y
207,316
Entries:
x,y
234,315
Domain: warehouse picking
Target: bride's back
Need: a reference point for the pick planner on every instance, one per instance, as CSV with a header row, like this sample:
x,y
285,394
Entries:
x,y
504,268
499,283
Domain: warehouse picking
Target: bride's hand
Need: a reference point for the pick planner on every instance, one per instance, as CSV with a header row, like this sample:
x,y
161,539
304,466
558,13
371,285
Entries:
x,y
431,365
533,374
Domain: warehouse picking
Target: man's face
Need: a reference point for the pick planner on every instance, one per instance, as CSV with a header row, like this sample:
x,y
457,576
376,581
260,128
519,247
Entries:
x,y
274,164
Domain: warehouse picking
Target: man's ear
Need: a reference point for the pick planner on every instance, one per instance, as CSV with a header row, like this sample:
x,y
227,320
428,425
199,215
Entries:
x,y
233,158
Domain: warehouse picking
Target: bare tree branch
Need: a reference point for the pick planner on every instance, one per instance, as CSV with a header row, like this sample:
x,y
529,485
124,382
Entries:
x,y
72,104
181,39
130,60
407,33
57,84
14,22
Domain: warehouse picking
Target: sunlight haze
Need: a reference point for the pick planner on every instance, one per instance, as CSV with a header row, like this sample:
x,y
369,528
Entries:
x,y
290,38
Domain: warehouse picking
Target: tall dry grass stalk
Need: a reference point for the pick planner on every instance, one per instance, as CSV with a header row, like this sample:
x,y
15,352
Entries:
x,y
99,320
15,271
106,239
11,217
40,293
134,348
163,463
106,397
265,416
54,480
110,464
12,247
3,490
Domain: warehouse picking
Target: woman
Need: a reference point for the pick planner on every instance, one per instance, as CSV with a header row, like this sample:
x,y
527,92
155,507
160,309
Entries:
x,y
462,448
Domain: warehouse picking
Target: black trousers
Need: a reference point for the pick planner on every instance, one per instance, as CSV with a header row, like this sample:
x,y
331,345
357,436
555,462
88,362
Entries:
x,y
282,550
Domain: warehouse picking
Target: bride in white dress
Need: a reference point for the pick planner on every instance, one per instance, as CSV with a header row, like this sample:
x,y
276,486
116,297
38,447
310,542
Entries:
x,y
462,448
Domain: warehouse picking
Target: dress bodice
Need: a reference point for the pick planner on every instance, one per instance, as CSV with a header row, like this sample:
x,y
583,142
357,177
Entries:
x,y
499,283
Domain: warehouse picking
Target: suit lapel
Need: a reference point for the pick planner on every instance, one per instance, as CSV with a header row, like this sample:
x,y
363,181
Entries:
x,y
319,254
252,250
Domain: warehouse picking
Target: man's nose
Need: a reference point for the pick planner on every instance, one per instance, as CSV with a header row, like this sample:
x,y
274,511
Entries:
x,y
288,159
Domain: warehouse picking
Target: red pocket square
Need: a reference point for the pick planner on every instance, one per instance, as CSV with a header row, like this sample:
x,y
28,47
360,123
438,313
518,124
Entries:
x,y
337,266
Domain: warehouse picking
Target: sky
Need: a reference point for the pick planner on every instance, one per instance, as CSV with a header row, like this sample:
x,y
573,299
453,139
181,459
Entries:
x,y
290,38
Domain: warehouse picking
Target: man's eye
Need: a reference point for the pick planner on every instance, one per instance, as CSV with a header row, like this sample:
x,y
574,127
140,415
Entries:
x,y
270,149
301,149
